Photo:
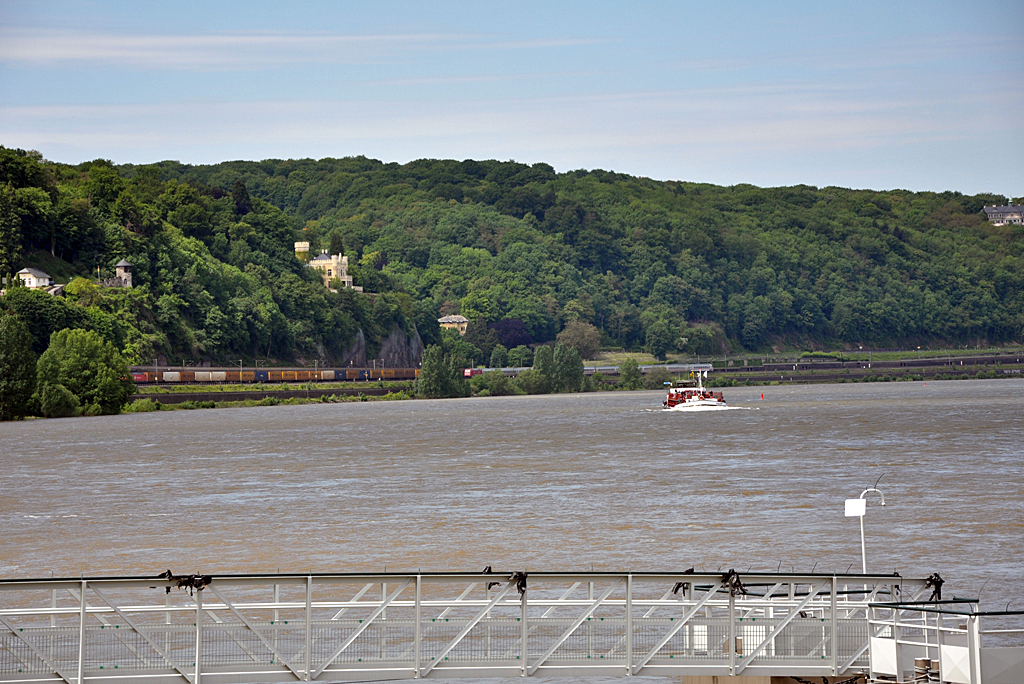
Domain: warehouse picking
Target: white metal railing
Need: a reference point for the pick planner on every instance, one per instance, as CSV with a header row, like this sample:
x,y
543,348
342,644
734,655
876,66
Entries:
x,y
227,629
942,641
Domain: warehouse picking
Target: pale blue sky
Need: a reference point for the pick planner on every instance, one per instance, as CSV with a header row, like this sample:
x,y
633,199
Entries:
x,y
917,95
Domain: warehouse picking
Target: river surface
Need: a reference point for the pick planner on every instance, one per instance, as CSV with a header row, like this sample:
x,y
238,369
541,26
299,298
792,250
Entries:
x,y
607,481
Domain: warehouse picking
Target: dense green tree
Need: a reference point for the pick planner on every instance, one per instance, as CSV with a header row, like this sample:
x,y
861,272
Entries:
x,y
532,382
44,314
511,332
699,339
581,336
17,368
544,364
440,375
57,401
520,357
568,368
88,367
10,234
481,337
494,384
660,338
462,353
499,357
629,374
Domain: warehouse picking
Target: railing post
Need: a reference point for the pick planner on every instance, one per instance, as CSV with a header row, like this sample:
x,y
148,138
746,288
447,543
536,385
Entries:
x,y
974,648
590,626
383,620
897,635
416,631
629,624
523,650
277,599
199,634
81,635
834,641
309,622
731,645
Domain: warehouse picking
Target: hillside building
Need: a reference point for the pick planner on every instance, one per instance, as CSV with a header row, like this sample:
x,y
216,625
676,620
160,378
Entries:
x,y
122,275
454,322
34,279
1004,216
331,267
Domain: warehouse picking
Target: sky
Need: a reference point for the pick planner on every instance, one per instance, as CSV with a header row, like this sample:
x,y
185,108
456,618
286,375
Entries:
x,y
896,94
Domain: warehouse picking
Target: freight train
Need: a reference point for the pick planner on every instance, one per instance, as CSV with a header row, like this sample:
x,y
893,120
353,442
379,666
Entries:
x,y
143,376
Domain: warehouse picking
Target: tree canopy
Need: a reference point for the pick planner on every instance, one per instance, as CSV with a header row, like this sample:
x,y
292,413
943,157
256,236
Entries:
x,y
83,365
520,250
17,368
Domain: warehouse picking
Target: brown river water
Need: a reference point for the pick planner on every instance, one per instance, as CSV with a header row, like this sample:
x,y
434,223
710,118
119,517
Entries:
x,y
607,481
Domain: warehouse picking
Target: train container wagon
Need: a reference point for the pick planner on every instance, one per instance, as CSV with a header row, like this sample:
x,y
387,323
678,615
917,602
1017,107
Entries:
x,y
211,376
214,376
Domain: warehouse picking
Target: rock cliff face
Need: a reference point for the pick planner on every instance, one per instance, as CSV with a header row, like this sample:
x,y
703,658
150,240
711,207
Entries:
x,y
398,350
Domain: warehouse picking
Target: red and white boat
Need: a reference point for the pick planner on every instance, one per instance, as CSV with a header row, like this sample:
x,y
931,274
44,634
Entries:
x,y
693,395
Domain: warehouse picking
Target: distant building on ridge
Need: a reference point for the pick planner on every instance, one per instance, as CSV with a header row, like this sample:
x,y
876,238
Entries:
x,y
1004,216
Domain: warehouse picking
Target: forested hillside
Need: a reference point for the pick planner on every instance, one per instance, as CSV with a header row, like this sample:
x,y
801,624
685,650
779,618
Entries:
x,y
666,266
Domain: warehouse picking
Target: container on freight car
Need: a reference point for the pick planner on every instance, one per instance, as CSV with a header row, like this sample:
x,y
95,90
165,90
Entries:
x,y
140,377
275,376
247,376
218,376
153,376
376,374
203,376
172,376
261,376
303,375
327,375
389,373
232,376
188,376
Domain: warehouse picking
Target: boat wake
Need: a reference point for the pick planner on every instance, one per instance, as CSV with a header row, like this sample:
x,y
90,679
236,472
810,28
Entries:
x,y
682,408
700,409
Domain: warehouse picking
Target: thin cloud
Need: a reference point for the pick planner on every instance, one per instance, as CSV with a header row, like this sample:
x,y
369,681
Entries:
x,y
232,51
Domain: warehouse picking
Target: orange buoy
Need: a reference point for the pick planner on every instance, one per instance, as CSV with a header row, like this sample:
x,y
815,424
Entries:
x,y
762,396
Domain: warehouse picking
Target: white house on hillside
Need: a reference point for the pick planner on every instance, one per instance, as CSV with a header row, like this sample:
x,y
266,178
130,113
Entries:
x,y
34,279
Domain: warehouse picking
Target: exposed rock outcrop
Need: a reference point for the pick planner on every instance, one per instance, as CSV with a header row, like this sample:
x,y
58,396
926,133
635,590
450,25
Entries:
x,y
402,351
398,350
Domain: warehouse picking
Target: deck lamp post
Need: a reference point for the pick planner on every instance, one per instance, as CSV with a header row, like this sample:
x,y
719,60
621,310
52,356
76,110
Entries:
x,y
857,508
